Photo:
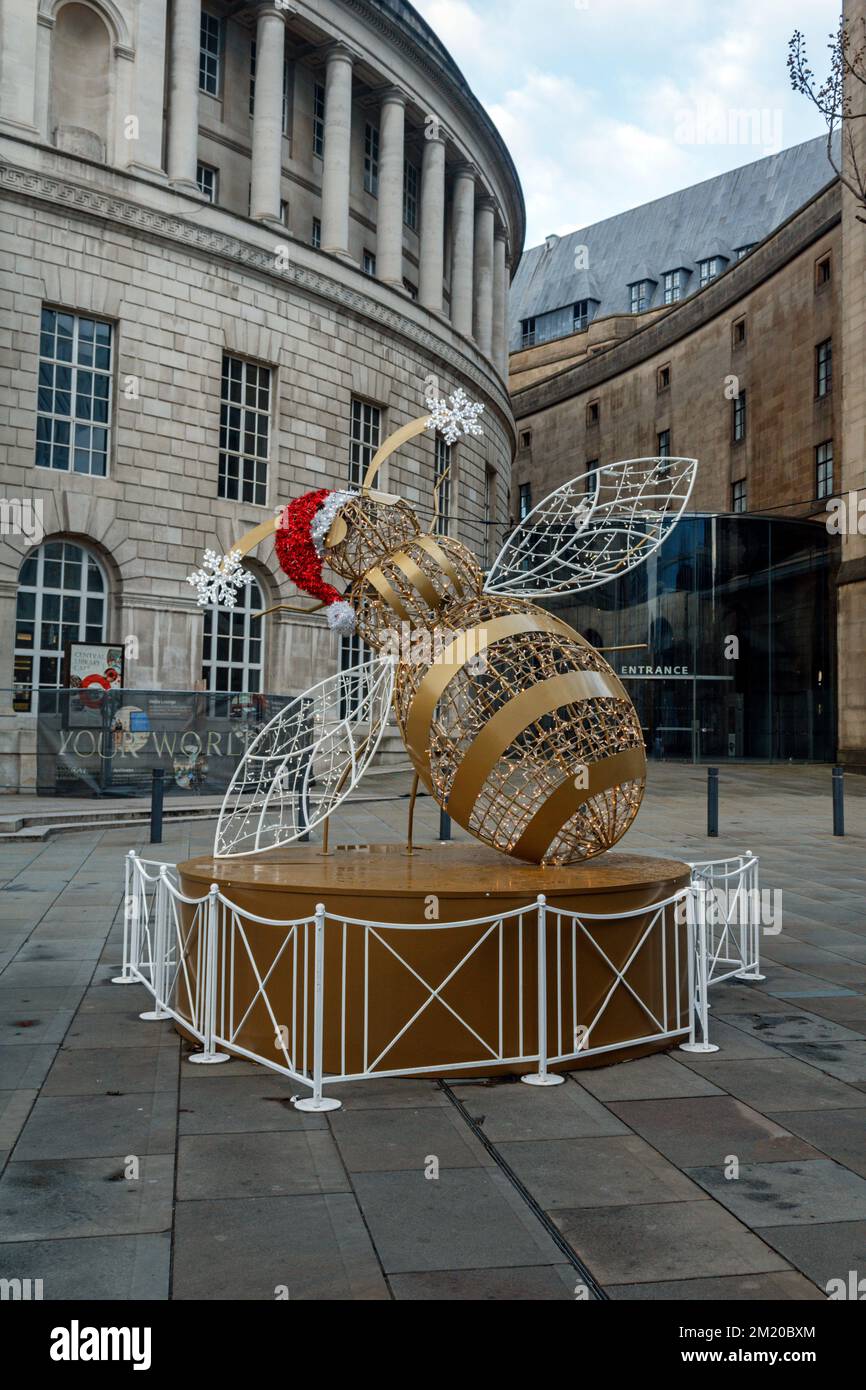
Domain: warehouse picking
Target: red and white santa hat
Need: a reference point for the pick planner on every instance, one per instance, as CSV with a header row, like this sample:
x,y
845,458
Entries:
x,y
300,547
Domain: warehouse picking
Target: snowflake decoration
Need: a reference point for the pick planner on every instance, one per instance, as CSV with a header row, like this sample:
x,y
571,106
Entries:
x,y
220,578
455,417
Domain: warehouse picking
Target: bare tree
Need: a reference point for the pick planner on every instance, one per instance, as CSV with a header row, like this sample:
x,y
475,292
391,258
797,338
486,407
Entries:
x,y
834,98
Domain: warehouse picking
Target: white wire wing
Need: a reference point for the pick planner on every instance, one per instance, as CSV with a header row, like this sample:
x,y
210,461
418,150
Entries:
x,y
593,529
307,760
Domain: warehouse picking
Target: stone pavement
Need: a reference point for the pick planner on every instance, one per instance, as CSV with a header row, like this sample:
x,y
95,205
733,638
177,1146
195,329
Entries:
x,y
621,1172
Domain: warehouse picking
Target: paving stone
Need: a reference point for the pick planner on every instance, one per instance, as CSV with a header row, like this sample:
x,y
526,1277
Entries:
x,y
109,1268
848,1010
90,1126
839,1134
787,1194
516,1111
51,1198
781,1029
596,1172
386,1140
105,997
46,973
389,1091
774,1085
742,1289
657,1076
469,1218
61,948
734,1042
279,1164
661,1241
102,1071
119,1029
313,1248
26,1027
546,1284
24,1064
823,1252
705,1129
213,1103
30,999
15,1106
844,1060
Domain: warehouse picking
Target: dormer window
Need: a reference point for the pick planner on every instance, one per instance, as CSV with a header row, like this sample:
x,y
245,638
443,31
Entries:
x,y
710,269
674,282
527,332
743,251
640,296
581,315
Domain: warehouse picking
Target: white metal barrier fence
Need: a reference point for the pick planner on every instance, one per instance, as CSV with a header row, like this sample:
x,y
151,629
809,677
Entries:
x,y
196,958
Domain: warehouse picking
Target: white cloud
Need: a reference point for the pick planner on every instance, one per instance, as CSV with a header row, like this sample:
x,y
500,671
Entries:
x,y
611,105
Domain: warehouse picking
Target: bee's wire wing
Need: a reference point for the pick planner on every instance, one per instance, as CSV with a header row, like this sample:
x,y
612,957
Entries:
x,y
306,761
594,528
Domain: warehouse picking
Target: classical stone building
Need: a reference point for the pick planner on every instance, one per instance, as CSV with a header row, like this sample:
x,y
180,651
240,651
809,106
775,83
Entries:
x,y
240,243
724,322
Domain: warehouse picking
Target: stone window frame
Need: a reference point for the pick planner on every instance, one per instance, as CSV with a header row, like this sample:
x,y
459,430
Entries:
x,y
368,262
444,458
663,378
525,439
371,159
524,500
591,471
411,194
739,496
663,443
318,120
235,626
824,369
202,171
252,77
366,423
48,433
739,418
823,272
824,466
739,332
210,58
249,490
71,630
316,234
593,414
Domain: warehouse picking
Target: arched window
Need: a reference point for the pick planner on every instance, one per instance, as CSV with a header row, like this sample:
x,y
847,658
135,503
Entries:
x,y
81,71
62,597
233,643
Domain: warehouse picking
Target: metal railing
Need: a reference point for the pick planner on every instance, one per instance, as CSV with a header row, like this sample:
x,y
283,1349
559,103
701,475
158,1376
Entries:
x,y
196,957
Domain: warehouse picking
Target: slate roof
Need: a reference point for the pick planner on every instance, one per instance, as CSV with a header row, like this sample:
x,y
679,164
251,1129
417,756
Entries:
x,y
713,218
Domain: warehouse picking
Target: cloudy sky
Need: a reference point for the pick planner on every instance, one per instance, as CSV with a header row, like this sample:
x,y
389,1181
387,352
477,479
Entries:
x,y
606,104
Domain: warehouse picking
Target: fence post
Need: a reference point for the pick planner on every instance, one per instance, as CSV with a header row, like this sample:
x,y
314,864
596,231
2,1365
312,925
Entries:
x,y
698,974
130,922
542,1077
157,792
159,947
753,897
317,1101
713,802
838,801
208,1053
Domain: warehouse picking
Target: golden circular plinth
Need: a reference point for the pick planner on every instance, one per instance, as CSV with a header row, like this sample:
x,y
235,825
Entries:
x,y
432,998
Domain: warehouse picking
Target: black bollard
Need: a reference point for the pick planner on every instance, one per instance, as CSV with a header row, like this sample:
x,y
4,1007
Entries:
x,y
157,791
713,802
444,825
838,801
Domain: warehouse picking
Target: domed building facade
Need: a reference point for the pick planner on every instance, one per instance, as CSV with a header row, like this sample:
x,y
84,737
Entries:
x,y
241,244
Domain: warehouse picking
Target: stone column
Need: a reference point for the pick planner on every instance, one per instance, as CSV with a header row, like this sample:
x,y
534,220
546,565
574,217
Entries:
x,y
500,302
336,169
485,221
145,153
432,268
267,160
184,39
18,33
392,143
462,249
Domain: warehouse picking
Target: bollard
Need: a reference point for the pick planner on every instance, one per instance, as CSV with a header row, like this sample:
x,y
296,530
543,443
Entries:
x,y
444,825
713,802
838,801
157,791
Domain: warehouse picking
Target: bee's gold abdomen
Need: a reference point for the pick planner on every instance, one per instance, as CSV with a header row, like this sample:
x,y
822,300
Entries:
x,y
524,733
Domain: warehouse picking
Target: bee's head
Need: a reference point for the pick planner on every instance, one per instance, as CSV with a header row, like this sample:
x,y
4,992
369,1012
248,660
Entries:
x,y
366,528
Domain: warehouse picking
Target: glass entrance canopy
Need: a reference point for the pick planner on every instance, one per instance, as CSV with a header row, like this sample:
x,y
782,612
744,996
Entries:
x,y
729,637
